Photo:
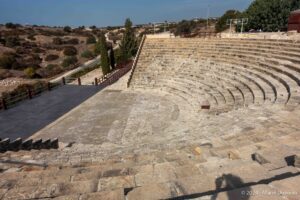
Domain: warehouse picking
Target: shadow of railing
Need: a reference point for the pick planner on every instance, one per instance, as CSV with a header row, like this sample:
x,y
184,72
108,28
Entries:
x,y
31,116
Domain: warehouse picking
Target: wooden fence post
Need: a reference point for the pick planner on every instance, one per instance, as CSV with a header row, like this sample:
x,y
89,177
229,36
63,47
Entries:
x,y
79,81
29,93
49,86
63,80
96,81
4,107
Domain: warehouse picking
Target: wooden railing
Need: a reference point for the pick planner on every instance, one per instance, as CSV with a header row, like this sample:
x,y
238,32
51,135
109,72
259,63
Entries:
x,y
12,100
136,60
112,77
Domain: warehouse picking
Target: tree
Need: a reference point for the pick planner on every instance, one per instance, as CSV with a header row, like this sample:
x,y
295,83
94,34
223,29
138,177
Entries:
x,y
222,22
104,55
185,27
271,15
129,45
112,58
97,48
67,29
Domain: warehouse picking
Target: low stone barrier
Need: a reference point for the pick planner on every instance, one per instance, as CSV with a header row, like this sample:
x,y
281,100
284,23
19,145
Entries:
x,y
27,145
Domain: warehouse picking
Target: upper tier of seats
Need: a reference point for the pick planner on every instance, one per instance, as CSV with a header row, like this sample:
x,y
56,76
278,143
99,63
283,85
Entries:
x,y
226,73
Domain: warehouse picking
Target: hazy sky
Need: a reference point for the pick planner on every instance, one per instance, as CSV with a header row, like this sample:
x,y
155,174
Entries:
x,y
110,12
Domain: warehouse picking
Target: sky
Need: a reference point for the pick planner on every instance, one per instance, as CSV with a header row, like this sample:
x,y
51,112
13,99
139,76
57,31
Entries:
x,y
111,12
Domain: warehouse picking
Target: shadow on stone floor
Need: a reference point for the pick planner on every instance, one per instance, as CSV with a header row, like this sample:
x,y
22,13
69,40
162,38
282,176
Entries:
x,y
32,115
231,181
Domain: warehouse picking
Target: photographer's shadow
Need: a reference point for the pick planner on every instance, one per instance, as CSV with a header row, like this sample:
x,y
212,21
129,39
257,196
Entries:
x,y
231,182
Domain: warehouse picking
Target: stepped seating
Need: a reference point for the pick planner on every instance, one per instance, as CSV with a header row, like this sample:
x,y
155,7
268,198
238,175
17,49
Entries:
x,y
187,172
242,72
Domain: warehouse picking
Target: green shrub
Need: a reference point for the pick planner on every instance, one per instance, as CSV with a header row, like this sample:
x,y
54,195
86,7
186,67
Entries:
x,y
7,61
70,51
49,71
29,72
72,41
51,57
91,40
87,54
12,41
57,41
72,60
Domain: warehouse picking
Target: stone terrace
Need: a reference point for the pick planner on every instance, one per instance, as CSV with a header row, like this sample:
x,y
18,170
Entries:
x,y
153,140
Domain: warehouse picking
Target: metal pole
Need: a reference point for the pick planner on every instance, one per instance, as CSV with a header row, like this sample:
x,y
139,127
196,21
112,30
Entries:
x,y
242,26
153,29
207,17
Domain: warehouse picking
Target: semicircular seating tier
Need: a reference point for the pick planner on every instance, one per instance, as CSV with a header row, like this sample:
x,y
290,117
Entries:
x,y
225,73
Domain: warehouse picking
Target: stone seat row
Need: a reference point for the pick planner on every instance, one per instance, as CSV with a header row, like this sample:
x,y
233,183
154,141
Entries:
x,y
221,72
188,173
283,74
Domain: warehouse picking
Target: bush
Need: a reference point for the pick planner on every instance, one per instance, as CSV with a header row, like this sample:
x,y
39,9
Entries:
x,y
38,50
185,27
12,41
57,41
12,25
49,71
31,37
70,51
72,60
7,61
91,40
87,54
72,41
51,57
67,29
29,72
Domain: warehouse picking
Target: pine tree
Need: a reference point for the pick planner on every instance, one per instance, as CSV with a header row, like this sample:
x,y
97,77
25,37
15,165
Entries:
x,y
128,46
104,55
112,58
271,15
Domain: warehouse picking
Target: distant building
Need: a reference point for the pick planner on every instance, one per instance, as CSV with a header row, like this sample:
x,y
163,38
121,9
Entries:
x,y
294,21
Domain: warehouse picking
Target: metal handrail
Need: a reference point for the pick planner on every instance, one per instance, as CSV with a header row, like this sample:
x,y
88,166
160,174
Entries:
x,y
136,60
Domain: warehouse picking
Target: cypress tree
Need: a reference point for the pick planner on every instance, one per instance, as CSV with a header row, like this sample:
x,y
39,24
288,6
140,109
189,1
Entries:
x,y
104,55
128,46
112,58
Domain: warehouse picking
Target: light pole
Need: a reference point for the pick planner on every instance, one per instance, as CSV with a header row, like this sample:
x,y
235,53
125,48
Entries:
x,y
208,11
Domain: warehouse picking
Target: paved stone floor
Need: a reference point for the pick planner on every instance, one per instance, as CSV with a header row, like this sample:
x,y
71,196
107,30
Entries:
x,y
30,116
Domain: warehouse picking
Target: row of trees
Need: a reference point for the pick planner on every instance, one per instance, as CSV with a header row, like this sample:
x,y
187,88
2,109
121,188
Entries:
x,y
267,16
128,48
